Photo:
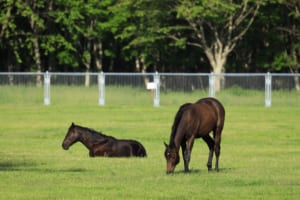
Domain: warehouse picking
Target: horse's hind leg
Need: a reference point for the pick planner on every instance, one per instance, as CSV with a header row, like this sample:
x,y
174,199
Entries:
x,y
210,143
217,148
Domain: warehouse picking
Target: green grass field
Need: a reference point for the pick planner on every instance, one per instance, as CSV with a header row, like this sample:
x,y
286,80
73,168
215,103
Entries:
x,y
260,154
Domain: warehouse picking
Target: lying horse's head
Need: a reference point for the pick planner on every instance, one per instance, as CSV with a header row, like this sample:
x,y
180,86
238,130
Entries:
x,y
172,157
70,138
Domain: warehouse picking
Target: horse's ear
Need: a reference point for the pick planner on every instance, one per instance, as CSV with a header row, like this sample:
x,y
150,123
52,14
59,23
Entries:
x,y
73,124
165,144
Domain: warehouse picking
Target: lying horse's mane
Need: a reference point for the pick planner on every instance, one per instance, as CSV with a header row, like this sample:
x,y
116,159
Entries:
x,y
177,120
93,132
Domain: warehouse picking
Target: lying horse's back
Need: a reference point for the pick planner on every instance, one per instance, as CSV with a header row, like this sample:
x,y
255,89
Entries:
x,y
118,148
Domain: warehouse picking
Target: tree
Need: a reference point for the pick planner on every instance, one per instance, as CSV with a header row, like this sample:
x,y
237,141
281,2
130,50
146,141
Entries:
x,y
8,26
135,24
214,26
21,30
139,35
83,25
289,56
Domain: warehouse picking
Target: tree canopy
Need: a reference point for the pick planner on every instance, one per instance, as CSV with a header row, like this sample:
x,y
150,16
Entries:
x,y
145,35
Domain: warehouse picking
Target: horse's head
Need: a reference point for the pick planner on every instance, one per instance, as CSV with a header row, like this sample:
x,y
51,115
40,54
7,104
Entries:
x,y
172,157
70,138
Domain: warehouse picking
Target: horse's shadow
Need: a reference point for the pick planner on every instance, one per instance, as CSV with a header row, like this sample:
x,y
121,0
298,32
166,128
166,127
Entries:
x,y
197,171
28,165
15,165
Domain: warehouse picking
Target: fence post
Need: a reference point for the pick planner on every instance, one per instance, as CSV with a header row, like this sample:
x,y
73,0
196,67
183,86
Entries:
x,y
101,84
268,90
211,91
157,92
47,88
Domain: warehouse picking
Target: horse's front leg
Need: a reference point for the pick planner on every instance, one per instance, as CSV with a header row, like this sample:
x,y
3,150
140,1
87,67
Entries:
x,y
185,156
186,151
91,153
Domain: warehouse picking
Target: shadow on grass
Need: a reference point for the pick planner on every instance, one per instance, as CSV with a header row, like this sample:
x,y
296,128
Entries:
x,y
34,167
15,165
197,171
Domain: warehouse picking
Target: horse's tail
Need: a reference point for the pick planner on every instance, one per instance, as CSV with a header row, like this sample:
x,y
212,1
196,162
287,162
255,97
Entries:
x,y
142,151
178,117
138,149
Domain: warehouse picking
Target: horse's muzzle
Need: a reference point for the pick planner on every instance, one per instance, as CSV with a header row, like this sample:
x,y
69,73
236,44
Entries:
x,y
170,169
65,147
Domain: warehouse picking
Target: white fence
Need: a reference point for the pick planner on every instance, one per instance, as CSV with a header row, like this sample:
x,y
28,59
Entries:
x,y
161,82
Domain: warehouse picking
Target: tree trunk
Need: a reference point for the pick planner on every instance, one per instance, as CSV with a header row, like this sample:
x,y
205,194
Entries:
x,y
140,67
87,64
296,66
10,77
87,80
98,55
86,58
297,83
36,47
37,58
217,61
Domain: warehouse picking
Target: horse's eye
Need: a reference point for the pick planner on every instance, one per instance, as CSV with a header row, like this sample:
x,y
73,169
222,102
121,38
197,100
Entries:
x,y
170,156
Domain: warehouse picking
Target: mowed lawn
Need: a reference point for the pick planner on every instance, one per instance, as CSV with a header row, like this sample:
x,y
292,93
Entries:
x,y
260,150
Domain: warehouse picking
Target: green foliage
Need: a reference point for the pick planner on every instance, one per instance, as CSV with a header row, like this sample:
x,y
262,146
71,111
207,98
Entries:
x,y
282,61
117,33
215,11
67,58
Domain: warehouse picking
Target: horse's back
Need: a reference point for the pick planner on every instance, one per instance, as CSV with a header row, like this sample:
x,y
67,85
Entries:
x,y
212,102
203,116
216,106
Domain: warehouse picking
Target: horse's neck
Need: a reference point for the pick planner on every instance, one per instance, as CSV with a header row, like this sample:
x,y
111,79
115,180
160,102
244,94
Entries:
x,y
176,139
173,143
86,137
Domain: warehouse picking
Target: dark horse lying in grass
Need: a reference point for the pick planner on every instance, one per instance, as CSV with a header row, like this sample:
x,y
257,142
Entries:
x,y
102,145
195,120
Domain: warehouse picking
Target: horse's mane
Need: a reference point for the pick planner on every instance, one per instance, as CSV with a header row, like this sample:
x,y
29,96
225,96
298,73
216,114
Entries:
x,y
177,120
94,132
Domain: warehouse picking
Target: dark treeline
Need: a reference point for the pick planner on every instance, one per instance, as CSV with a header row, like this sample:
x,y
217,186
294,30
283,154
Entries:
x,y
146,35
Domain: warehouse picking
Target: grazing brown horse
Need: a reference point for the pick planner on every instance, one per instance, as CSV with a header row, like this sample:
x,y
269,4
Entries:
x,y
195,120
102,145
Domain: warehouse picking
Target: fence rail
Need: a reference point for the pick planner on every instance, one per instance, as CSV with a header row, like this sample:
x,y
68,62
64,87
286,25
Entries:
x,y
213,84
